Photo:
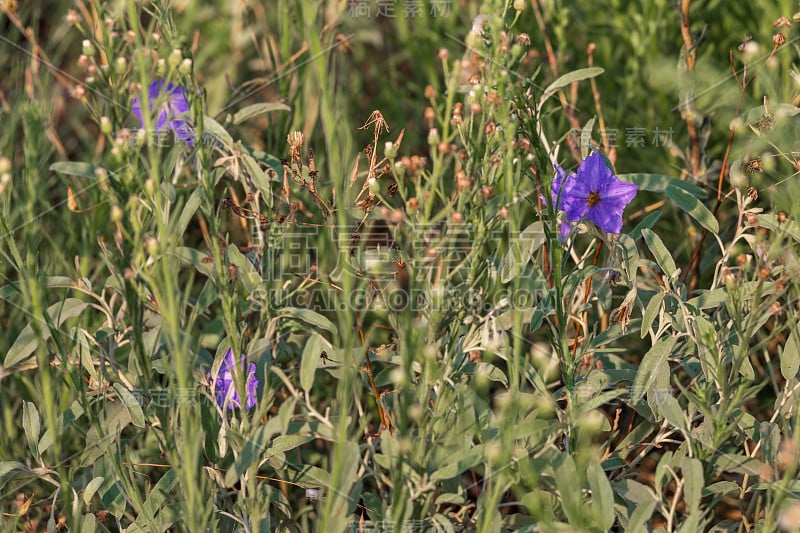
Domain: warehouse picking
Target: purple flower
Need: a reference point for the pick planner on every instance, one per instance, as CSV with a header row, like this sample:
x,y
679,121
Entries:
x,y
172,104
224,383
594,193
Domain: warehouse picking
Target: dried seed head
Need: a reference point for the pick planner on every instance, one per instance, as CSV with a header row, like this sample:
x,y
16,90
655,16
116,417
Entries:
x,y
486,191
779,39
412,204
429,116
782,22
295,140
463,182
83,61
397,216
72,17
524,39
475,108
430,92
456,218
503,213
79,92
5,165
444,54
443,147
781,216
752,220
490,128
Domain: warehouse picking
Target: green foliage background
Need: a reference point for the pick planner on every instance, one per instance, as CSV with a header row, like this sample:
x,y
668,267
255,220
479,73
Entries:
x,y
124,276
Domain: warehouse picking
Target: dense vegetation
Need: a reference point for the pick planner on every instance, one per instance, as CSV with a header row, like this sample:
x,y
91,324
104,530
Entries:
x,y
435,265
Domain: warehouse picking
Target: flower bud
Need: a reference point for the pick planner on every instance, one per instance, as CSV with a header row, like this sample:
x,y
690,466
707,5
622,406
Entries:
x,y
152,246
161,67
72,18
186,67
175,58
88,48
149,187
433,137
519,5
121,65
116,213
389,150
105,125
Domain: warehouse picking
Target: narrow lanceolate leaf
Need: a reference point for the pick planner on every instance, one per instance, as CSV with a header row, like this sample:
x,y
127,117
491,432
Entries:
x,y
655,357
660,252
650,313
661,182
75,168
790,357
602,495
27,341
256,110
32,427
566,79
310,360
694,207
131,404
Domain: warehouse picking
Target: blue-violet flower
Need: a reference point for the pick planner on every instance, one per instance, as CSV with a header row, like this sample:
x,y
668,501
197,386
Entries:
x,y
172,105
224,383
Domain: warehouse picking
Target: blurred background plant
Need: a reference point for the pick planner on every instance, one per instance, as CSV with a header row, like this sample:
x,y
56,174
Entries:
x,y
361,217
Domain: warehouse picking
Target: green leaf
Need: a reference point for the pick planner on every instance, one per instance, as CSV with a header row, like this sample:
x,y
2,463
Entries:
x,y
586,136
789,227
520,251
647,223
215,128
655,357
91,489
660,252
650,312
201,261
256,110
569,489
721,487
602,495
628,257
694,207
75,168
27,341
790,356
310,317
459,462
131,404
565,80
259,178
32,426
640,515
661,182
7,469
89,523
157,497
192,204
311,357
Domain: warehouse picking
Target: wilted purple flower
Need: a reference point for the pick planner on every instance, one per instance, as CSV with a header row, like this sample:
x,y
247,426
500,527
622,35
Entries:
x,y
172,104
594,193
224,384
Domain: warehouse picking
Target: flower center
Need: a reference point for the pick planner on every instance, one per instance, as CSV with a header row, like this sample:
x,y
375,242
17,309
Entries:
x,y
593,199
